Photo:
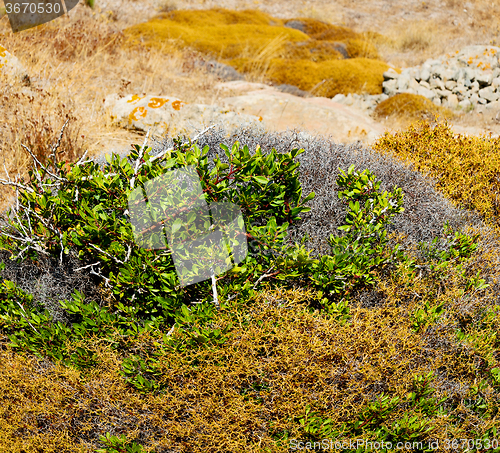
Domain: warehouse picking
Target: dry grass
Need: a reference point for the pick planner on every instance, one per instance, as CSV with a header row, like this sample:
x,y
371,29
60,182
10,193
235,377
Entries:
x,y
84,63
279,359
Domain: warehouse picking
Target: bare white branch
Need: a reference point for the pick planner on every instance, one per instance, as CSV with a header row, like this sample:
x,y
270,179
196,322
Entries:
x,y
263,276
128,253
15,184
85,267
80,161
138,161
23,315
214,290
43,166
58,144
107,254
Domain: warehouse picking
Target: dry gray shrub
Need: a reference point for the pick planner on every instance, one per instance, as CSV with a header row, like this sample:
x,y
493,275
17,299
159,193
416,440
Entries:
x,y
426,210
50,282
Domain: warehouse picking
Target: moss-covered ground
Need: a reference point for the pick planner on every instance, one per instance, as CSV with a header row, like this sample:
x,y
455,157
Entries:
x,y
307,53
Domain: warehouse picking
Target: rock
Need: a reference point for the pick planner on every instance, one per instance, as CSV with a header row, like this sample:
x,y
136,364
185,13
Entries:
x,y
452,101
495,82
403,82
317,115
479,56
291,89
241,86
482,101
10,66
429,94
460,89
425,84
390,87
474,98
414,73
489,94
465,104
437,101
162,113
390,74
459,75
413,85
221,70
444,74
436,83
470,74
349,100
442,93
296,24
341,47
339,98
484,79
431,62
450,85
474,88
425,74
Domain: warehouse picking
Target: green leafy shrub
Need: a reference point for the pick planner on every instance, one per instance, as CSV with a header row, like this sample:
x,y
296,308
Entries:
x,y
388,419
120,444
87,216
247,352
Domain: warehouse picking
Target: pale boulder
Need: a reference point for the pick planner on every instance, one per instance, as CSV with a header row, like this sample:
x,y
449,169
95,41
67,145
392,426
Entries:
x,y
10,65
168,113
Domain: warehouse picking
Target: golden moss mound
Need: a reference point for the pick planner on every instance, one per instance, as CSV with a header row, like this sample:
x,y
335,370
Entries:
x,y
466,168
328,78
222,33
411,107
307,53
355,44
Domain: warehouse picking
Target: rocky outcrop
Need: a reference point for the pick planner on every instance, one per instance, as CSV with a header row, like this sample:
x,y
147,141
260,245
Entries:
x,y
242,103
281,111
221,70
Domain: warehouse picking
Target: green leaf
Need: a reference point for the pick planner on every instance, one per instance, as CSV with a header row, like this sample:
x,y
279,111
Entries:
x,y
262,180
177,225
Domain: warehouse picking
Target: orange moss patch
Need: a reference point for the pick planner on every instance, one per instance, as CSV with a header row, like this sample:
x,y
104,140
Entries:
x,y
222,33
